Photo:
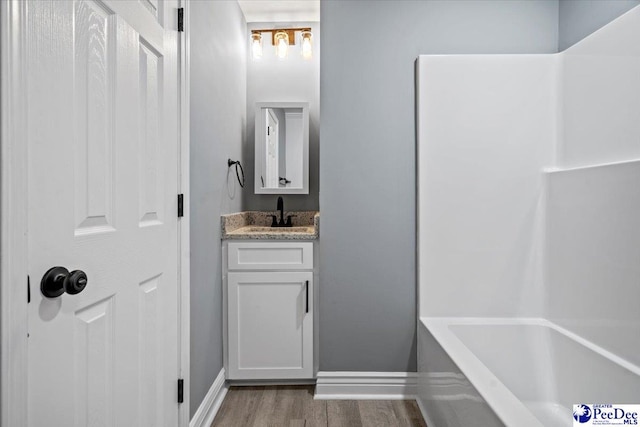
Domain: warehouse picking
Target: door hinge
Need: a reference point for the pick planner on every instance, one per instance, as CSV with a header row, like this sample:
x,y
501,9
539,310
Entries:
x,y
180,205
180,390
181,19
28,289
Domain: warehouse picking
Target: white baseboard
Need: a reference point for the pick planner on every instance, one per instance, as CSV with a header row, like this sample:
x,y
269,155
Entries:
x,y
261,383
424,413
211,403
366,385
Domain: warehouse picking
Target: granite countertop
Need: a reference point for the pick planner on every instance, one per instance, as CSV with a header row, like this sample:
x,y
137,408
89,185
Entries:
x,y
256,225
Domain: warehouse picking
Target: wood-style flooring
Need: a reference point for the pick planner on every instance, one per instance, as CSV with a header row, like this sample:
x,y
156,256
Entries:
x,y
293,406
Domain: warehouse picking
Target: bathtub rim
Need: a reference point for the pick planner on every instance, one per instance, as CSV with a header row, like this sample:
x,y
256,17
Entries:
x,y
500,399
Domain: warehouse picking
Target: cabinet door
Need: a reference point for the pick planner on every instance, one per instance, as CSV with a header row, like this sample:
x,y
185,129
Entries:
x,y
270,321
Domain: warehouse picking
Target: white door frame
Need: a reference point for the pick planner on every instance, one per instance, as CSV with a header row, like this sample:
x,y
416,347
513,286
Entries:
x,y
270,114
184,315
13,215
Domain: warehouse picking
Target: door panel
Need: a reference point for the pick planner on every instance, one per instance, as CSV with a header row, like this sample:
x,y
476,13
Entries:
x,y
151,64
94,80
103,143
272,337
153,7
93,364
151,352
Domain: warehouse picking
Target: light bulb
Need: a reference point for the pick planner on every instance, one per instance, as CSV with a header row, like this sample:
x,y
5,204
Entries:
x,y
306,45
256,45
283,47
282,44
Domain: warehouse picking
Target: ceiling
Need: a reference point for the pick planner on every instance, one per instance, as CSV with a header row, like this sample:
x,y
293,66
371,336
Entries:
x,y
280,10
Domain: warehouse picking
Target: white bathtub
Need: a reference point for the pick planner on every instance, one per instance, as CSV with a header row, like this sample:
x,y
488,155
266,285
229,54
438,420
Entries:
x,y
514,372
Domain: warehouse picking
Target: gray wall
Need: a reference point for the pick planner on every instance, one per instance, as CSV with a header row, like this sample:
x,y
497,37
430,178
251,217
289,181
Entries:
x,y
368,282
578,19
367,161
293,79
218,125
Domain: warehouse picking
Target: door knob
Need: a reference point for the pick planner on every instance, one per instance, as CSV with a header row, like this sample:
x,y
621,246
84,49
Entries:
x,y
76,283
57,280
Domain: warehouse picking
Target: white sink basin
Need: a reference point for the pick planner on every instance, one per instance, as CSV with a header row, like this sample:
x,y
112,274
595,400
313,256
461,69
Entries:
x,y
257,229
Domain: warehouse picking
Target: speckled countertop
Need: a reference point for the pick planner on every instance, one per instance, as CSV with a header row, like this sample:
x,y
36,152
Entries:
x,y
256,225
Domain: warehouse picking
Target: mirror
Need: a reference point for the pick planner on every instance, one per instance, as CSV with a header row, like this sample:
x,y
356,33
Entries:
x,y
282,148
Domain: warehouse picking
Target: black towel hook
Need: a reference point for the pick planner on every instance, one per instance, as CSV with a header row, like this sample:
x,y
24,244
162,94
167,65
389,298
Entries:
x,y
237,163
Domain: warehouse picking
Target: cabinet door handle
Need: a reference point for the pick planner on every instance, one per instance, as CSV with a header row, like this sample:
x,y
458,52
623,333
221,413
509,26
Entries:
x,y
306,289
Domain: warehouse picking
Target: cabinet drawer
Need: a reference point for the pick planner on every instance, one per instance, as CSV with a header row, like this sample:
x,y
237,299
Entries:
x,y
270,256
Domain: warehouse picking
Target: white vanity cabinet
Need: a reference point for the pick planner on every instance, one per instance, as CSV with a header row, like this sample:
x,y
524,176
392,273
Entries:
x,y
269,310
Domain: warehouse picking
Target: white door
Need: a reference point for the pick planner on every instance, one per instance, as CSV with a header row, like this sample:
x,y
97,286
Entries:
x,y
103,155
270,321
272,138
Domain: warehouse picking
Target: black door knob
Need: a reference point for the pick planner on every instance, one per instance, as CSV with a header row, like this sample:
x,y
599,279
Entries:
x,y
58,280
76,283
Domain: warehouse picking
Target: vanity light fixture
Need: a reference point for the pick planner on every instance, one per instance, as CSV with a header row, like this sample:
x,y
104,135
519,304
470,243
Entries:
x,y
256,45
282,38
